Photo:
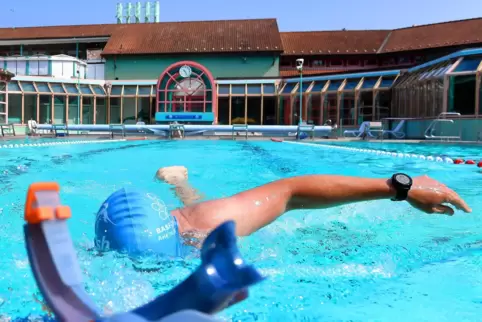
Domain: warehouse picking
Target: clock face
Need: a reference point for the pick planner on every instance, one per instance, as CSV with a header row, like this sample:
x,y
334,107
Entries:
x,y
403,179
185,71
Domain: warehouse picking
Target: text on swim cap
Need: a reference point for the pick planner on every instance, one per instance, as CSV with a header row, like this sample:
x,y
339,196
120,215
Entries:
x,y
166,230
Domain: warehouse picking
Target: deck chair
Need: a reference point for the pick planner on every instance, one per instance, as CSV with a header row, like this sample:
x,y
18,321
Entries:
x,y
375,130
397,131
356,133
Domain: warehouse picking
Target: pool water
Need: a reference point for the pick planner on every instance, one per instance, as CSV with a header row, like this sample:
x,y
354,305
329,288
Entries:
x,y
374,261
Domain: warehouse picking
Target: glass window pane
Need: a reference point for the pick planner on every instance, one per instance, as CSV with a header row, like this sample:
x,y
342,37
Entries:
x,y
318,86
223,89
334,85
73,117
289,88
87,110
21,67
57,88
12,66
369,82
387,82
43,67
351,84
130,90
98,90
71,89
43,87
30,108
101,111
304,86
116,90
144,90
254,89
143,109
33,67
27,87
13,87
15,108
466,65
238,89
268,89
85,90
45,109
115,110
59,109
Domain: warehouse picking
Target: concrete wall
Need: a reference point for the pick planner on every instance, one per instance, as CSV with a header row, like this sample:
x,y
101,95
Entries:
x,y
151,67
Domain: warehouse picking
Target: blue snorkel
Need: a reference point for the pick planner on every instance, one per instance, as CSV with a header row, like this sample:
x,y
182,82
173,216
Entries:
x,y
221,280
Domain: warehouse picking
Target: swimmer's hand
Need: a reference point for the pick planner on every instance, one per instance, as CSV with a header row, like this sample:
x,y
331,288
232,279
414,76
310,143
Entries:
x,y
431,196
172,175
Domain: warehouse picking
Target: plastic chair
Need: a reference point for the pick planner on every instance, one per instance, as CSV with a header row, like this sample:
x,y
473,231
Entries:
x,y
356,133
397,131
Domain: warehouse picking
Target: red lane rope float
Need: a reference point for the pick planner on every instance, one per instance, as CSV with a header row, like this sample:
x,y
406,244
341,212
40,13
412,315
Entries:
x,y
479,164
276,140
136,139
470,162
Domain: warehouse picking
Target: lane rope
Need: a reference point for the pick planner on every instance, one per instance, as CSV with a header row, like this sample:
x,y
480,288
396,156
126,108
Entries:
x,y
444,159
53,143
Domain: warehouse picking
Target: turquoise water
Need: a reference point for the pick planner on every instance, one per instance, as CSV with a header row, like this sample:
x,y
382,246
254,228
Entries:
x,y
372,261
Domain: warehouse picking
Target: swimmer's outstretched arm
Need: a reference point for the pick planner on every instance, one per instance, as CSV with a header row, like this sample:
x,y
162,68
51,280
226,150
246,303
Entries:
x,y
256,208
177,177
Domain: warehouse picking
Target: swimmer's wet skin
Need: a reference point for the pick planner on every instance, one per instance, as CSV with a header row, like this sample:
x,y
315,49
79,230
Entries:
x,y
139,224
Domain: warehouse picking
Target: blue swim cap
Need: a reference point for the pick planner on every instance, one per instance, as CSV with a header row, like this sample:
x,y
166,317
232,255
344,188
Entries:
x,y
137,223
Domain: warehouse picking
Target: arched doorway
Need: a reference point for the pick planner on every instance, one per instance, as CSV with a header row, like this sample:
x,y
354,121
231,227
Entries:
x,y
186,86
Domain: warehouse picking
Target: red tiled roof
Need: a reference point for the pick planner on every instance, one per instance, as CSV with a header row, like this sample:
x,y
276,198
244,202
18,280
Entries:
x,y
443,34
333,42
57,32
256,35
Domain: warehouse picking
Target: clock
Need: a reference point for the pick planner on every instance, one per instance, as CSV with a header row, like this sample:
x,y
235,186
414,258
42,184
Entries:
x,y
185,71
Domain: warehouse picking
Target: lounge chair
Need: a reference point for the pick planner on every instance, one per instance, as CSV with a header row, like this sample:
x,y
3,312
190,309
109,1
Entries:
x,y
356,133
375,129
397,131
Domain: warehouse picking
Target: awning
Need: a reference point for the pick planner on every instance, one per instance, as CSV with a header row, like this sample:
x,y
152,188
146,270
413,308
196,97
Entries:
x,y
351,84
47,88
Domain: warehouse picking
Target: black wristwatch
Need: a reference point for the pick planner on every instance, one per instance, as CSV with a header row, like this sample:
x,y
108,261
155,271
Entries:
x,y
402,184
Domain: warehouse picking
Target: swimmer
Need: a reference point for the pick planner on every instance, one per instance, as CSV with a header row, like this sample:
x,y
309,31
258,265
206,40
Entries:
x,y
139,223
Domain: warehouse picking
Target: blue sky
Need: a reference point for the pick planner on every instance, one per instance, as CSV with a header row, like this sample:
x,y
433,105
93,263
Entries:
x,y
311,15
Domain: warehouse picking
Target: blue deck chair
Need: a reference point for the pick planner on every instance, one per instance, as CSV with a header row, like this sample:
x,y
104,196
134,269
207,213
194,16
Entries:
x,y
356,133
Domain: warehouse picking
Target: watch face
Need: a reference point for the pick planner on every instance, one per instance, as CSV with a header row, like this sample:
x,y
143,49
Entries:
x,y
403,179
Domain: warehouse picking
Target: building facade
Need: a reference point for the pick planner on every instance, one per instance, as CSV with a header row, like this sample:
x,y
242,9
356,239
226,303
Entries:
x,y
242,71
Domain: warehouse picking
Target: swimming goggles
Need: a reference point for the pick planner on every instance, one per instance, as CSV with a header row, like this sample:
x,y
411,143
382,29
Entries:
x,y
222,279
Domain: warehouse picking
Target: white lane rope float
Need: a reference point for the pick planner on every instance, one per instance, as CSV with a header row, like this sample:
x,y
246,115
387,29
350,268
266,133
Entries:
x,y
444,159
55,143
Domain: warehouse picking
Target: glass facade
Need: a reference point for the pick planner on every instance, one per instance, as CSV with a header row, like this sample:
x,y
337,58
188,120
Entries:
x,y
252,103
347,100
448,86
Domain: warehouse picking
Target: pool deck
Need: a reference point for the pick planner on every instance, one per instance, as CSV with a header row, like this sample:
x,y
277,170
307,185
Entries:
x,y
228,137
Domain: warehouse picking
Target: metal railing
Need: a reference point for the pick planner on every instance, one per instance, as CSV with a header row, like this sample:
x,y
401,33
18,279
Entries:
x,y
117,128
239,128
442,118
175,128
